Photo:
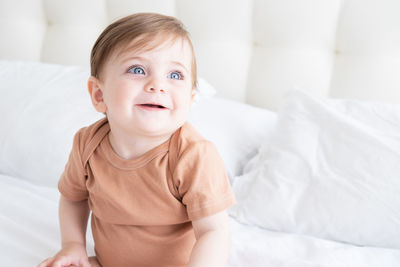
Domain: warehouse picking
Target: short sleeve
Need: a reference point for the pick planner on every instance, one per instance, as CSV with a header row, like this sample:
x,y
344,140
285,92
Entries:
x,y
72,184
201,180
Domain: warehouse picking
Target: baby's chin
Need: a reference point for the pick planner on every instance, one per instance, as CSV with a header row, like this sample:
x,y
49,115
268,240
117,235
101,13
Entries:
x,y
160,130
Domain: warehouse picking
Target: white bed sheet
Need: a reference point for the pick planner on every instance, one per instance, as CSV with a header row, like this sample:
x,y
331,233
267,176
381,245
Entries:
x,y
29,233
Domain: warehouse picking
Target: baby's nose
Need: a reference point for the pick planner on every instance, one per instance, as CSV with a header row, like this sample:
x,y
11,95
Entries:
x,y
155,85
154,89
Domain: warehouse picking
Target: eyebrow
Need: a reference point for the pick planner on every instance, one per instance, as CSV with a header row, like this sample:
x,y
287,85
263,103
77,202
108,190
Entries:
x,y
180,64
132,58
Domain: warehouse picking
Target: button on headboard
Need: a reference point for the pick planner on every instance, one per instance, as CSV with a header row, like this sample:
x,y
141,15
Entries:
x,y
251,51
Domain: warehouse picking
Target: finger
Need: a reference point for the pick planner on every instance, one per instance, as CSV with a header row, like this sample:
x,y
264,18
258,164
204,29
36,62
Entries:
x,y
62,261
67,261
46,262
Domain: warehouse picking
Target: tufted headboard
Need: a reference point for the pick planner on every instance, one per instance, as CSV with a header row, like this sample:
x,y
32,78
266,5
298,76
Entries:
x,y
251,51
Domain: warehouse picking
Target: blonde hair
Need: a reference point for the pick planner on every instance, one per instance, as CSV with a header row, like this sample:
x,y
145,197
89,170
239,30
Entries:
x,y
142,31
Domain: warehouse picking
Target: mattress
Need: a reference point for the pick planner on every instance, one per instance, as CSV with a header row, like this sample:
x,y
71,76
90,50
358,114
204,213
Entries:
x,y
30,233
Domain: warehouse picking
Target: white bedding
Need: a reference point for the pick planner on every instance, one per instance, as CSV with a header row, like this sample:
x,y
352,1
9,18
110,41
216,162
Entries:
x,y
29,233
330,169
37,122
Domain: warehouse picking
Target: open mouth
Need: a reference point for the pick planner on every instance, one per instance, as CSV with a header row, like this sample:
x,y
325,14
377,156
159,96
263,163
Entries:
x,y
152,106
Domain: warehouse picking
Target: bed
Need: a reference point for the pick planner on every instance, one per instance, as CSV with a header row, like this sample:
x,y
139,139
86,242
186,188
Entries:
x,y
301,100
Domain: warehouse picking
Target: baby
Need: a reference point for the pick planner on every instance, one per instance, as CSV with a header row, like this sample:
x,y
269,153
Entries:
x,y
157,190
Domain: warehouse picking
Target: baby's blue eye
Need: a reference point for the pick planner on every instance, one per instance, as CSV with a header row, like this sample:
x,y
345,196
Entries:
x,y
175,75
136,70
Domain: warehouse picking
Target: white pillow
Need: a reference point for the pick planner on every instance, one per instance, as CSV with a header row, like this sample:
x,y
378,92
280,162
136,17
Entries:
x,y
43,105
331,169
237,129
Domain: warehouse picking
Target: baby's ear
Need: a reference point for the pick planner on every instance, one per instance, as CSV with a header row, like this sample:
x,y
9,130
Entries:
x,y
96,94
194,92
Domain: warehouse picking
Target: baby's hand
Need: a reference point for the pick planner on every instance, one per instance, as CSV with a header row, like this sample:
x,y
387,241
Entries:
x,y
71,254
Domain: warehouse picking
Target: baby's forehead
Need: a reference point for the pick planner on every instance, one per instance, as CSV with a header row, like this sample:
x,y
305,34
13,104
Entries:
x,y
144,45
177,47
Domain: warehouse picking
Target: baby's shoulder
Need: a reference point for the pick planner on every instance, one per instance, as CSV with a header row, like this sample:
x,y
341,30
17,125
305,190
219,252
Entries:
x,y
188,138
91,134
189,133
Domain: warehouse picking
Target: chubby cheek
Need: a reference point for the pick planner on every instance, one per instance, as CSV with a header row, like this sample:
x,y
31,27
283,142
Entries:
x,y
183,102
118,97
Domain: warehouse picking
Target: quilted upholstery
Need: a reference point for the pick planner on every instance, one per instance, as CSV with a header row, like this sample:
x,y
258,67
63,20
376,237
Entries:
x,y
251,51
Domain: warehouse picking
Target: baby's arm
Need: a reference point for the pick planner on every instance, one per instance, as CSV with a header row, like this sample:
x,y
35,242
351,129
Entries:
x,y
213,241
73,222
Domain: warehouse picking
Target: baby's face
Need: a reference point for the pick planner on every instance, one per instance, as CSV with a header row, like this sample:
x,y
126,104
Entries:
x,y
149,92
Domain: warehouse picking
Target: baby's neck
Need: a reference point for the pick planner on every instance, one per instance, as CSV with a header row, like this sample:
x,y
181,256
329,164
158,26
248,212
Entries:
x,y
134,147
